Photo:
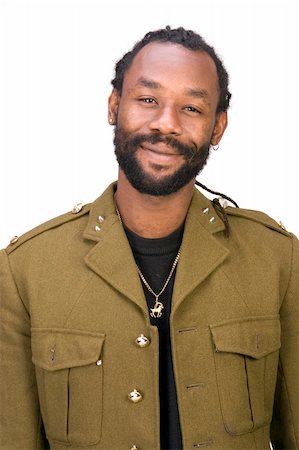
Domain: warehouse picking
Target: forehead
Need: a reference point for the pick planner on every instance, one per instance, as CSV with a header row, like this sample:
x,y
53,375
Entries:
x,y
173,66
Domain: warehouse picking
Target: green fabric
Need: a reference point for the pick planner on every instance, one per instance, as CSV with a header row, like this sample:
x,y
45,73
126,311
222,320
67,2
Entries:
x,y
69,290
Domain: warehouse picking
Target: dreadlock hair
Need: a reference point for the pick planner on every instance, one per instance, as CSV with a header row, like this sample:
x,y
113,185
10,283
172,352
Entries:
x,y
188,39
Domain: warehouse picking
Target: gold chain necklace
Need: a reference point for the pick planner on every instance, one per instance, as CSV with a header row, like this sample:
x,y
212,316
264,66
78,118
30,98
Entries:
x,y
156,311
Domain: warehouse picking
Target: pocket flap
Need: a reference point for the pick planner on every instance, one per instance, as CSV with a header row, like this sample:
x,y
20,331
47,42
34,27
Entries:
x,y
60,348
251,336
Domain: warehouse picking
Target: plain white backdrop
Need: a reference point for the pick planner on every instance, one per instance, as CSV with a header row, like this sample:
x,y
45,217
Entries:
x,y
57,59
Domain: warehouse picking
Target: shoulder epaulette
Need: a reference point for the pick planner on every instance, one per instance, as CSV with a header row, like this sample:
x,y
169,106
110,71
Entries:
x,y
258,216
77,211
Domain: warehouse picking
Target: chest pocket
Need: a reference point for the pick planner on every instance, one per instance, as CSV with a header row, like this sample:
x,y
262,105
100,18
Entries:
x,y
70,383
246,358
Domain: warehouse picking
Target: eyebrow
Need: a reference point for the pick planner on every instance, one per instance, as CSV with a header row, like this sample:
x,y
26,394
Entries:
x,y
148,83
197,93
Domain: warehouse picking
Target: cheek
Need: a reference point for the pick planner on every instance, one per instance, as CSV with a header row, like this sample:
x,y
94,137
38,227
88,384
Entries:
x,y
128,116
129,121
200,133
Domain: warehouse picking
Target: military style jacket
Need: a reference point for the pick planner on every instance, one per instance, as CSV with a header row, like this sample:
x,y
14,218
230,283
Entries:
x,y
78,349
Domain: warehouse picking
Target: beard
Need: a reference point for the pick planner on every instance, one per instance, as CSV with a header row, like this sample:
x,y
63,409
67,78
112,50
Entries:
x,y
126,146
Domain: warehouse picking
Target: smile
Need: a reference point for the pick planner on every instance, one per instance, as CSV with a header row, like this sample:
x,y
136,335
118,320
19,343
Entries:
x,y
159,148
159,153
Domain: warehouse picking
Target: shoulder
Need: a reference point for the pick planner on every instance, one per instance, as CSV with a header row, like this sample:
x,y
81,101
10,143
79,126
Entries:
x,y
261,239
237,218
261,233
62,230
251,218
78,211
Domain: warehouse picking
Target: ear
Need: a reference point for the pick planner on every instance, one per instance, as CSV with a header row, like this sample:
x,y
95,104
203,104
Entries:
x,y
113,103
219,128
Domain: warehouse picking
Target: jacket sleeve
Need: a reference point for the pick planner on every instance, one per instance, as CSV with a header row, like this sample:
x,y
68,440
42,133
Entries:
x,y
21,424
285,423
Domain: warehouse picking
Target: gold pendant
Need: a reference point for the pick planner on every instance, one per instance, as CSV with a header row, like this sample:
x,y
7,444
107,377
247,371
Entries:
x,y
156,311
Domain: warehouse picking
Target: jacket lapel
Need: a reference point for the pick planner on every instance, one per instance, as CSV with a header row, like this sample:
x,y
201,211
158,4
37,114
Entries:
x,y
201,252
111,258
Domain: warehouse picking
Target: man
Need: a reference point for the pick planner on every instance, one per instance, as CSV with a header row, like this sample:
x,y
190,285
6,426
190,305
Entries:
x,y
154,317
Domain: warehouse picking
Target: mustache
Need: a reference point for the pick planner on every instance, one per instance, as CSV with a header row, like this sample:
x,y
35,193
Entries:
x,y
155,138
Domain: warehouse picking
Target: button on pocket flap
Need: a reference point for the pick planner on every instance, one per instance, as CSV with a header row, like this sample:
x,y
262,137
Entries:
x,y
251,336
60,348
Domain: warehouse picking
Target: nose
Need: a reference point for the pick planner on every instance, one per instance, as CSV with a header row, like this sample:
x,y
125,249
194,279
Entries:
x,y
166,121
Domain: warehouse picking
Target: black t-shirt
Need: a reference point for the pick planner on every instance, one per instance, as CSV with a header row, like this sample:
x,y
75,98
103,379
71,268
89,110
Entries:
x,y
155,257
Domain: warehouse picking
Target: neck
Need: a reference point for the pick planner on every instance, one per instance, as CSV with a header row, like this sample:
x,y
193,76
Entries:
x,y
150,216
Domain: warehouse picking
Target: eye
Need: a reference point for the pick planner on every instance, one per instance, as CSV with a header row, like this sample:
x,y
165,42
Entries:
x,y
192,109
148,100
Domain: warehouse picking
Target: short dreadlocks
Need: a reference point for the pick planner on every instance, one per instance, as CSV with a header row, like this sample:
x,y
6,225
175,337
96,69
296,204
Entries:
x,y
188,39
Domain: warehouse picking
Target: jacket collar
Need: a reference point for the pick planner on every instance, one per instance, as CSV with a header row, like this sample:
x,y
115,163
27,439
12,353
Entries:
x,y
112,259
201,252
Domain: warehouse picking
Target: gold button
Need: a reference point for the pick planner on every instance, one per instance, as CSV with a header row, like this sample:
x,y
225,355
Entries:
x,y
135,396
97,228
206,210
14,240
142,341
99,362
77,208
101,219
212,219
134,447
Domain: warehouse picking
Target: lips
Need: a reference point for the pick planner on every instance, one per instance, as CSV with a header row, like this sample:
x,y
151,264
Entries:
x,y
159,149
159,156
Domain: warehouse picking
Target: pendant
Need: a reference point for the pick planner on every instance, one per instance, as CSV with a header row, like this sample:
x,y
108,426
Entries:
x,y
156,311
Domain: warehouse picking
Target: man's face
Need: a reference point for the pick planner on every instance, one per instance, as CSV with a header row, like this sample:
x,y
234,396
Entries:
x,y
166,117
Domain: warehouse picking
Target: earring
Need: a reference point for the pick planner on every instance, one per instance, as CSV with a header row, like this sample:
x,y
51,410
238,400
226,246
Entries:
x,y
215,147
111,121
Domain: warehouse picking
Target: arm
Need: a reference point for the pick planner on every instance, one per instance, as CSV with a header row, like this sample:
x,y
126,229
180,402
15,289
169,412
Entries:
x,y
21,425
285,423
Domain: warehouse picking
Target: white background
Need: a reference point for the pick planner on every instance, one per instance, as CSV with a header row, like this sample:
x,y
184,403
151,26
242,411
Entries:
x,y
56,62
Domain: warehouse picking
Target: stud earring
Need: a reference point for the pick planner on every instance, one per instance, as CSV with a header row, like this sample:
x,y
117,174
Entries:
x,y
215,147
111,121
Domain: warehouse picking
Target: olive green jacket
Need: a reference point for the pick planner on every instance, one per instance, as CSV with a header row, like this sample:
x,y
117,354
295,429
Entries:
x,y
72,307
